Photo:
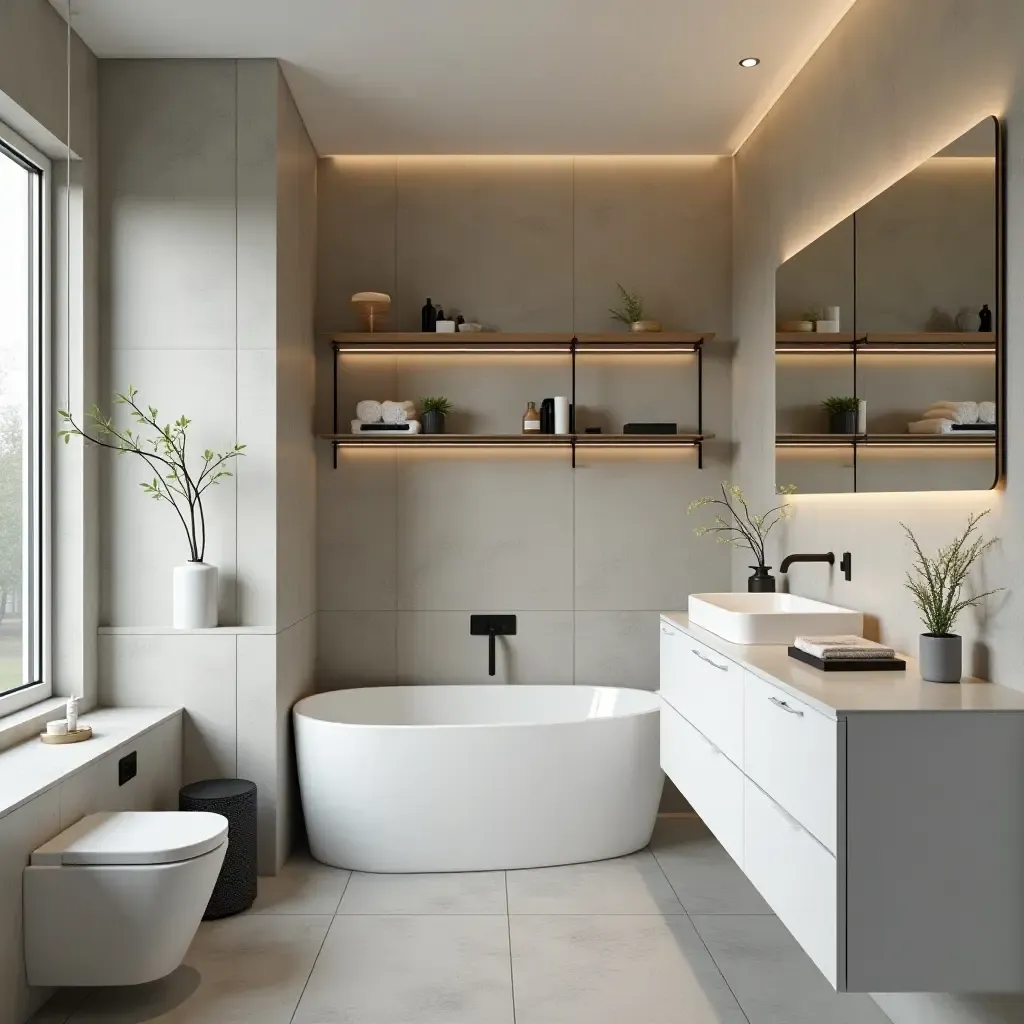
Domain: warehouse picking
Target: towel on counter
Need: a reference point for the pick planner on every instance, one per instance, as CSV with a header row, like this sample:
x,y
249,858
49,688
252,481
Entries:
x,y
847,647
930,426
389,430
958,412
986,412
399,412
370,411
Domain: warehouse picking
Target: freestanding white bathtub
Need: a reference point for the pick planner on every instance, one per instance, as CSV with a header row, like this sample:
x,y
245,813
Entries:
x,y
475,778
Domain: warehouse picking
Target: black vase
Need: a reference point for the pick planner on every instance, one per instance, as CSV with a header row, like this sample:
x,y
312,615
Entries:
x,y
762,581
843,422
433,422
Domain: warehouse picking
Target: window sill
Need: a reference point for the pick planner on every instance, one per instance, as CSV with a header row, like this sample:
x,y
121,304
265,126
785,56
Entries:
x,y
31,768
22,725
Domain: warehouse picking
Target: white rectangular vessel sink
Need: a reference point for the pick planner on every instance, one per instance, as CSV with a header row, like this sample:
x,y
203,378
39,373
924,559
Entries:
x,y
770,618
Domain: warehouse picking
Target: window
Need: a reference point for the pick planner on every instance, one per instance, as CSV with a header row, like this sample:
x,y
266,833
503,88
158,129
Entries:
x,y
24,429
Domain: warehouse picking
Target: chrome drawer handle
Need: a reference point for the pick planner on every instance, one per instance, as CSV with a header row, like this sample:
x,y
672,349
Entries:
x,y
785,707
705,658
667,631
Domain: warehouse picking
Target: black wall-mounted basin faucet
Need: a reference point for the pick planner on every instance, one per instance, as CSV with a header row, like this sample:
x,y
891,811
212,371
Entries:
x,y
846,564
492,626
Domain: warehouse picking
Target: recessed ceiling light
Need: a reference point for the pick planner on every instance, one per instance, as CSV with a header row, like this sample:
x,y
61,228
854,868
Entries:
x,y
750,62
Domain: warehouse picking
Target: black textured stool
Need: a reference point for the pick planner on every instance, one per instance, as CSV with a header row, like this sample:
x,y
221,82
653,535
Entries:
x,y
236,800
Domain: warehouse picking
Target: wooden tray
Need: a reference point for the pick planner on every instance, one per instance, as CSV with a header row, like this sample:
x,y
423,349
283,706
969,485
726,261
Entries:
x,y
849,664
83,732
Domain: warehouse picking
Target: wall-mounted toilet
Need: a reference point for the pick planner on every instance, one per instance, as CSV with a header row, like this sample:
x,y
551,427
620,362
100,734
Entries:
x,y
116,899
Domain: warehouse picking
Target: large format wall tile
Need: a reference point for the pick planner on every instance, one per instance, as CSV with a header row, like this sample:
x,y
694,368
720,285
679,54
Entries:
x,y
617,649
142,539
436,647
661,227
489,238
484,532
167,203
194,670
356,649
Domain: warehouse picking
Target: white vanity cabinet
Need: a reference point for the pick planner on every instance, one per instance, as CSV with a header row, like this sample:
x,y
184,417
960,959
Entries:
x,y
881,817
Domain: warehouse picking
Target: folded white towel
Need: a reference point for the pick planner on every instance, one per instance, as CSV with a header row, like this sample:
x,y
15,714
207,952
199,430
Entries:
x,y
986,412
370,411
935,425
958,412
846,647
412,427
399,412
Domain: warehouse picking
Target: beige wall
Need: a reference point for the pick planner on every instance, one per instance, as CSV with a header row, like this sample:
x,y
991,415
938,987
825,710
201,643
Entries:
x,y
410,544
893,85
209,218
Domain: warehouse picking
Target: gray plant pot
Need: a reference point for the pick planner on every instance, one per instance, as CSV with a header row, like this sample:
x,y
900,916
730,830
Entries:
x,y
433,422
941,658
843,422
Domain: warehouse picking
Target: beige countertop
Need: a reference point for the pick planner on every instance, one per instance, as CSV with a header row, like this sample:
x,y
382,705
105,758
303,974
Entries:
x,y
838,694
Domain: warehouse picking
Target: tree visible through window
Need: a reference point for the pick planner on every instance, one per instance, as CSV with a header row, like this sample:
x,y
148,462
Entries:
x,y
21,424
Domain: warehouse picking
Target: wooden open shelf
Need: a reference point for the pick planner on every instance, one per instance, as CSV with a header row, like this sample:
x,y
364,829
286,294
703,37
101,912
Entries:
x,y
885,441
516,440
487,343
923,343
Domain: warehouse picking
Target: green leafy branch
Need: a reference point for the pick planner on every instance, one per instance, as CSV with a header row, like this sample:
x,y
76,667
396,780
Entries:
x,y
937,581
163,448
631,309
735,524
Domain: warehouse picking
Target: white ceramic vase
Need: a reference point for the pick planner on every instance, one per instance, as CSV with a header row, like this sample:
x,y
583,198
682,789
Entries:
x,y
195,596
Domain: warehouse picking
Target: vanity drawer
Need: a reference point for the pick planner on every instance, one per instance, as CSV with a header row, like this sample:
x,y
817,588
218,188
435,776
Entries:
x,y
789,750
706,777
795,874
704,688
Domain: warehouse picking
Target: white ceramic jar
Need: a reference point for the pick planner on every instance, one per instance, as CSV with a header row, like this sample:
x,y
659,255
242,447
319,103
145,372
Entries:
x,y
195,596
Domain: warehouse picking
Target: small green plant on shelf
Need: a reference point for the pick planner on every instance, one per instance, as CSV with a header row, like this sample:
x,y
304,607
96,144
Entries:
x,y
735,524
439,405
836,405
631,308
937,581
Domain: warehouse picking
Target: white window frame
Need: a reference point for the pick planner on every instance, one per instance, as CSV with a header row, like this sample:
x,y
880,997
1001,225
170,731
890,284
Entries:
x,y
36,586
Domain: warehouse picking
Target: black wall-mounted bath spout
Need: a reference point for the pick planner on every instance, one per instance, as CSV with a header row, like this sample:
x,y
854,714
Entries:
x,y
828,557
492,626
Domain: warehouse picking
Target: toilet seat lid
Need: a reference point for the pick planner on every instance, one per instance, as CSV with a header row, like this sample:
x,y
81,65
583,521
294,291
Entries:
x,y
135,837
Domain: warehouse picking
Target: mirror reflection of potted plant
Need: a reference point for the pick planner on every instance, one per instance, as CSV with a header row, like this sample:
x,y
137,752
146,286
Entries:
x,y
631,313
162,448
842,414
434,412
937,583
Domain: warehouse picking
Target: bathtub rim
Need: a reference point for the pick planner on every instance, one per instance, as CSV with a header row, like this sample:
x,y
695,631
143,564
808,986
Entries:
x,y
655,709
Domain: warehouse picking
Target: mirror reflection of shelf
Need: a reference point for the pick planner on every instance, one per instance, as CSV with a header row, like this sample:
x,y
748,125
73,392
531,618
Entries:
x,y
877,343
884,441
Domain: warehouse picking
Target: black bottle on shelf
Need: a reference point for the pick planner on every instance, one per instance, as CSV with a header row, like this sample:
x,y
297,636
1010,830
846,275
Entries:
x,y
428,317
985,319
547,416
459,321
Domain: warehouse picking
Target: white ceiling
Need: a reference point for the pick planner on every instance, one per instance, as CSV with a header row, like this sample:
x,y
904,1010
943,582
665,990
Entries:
x,y
495,76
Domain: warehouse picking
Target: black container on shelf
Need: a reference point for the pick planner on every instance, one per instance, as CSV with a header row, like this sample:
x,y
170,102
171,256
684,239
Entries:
x,y
761,581
428,317
433,422
985,319
843,422
547,416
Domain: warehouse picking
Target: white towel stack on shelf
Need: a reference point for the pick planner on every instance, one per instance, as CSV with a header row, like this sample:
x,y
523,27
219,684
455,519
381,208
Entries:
x,y
842,648
385,418
968,418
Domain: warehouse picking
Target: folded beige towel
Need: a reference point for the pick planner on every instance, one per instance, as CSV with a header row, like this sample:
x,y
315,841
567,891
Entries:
x,y
958,412
845,647
930,426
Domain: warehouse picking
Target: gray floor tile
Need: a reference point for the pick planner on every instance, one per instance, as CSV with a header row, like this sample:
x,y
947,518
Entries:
x,y
616,970
478,892
628,885
411,970
773,979
704,877
241,970
302,886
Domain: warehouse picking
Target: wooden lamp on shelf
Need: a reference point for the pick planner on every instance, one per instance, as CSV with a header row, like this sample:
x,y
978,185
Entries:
x,y
373,308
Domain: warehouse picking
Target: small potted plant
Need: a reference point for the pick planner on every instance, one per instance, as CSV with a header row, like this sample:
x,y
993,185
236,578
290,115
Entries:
x,y
937,582
842,414
631,312
735,524
162,448
434,412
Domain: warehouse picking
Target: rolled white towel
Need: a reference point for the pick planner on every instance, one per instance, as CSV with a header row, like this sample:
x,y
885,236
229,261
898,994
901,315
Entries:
x,y
986,412
399,412
932,425
370,411
958,412
378,429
